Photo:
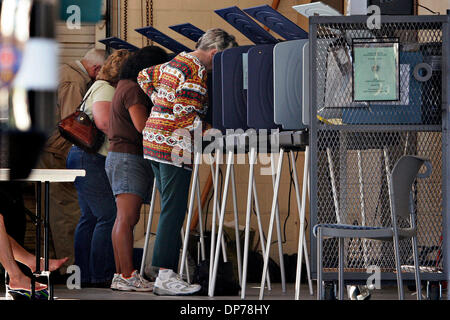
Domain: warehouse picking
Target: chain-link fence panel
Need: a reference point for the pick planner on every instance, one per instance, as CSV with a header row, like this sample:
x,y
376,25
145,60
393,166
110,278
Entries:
x,y
355,144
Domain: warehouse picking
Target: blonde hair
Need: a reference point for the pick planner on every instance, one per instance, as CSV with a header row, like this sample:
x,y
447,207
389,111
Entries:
x,y
216,39
110,70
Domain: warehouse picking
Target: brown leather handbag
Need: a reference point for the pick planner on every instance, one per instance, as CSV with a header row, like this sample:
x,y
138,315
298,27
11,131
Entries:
x,y
79,129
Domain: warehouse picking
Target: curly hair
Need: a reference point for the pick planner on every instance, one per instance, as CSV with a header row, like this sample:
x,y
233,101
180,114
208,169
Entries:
x,y
141,59
216,39
110,70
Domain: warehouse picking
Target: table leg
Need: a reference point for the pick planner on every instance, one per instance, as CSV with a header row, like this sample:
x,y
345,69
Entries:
x,y
38,239
47,238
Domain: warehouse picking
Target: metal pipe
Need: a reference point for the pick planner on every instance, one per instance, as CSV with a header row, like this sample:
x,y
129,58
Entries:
x,y
445,141
118,19
108,17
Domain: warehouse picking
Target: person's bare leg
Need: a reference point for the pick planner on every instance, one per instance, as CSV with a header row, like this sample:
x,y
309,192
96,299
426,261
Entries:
x,y
17,280
128,210
28,259
115,247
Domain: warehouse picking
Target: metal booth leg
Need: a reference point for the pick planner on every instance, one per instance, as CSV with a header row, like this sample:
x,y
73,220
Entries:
x,y
212,282
280,240
271,223
305,247
216,211
302,248
200,224
251,185
252,159
236,226
260,230
191,210
149,227
185,264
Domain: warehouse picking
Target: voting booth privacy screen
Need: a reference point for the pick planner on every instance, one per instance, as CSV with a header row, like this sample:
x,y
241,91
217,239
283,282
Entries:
x,y
359,131
365,96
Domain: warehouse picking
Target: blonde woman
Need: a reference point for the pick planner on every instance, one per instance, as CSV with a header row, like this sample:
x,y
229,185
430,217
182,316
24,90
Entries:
x,y
93,244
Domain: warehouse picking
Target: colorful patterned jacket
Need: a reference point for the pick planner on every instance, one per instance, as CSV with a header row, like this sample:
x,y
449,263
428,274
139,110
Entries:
x,y
178,90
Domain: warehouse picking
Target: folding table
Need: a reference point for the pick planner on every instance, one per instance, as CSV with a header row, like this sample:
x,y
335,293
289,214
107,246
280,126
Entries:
x,y
45,176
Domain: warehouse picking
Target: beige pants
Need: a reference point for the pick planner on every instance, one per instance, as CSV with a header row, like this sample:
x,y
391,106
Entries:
x,y
64,209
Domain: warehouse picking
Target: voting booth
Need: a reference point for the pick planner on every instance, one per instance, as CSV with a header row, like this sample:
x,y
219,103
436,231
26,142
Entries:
x,y
355,99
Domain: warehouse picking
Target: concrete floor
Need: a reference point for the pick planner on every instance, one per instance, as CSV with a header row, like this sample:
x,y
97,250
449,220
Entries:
x,y
63,293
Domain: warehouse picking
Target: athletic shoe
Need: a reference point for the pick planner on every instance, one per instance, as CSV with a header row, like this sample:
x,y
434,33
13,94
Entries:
x,y
168,283
134,283
364,293
358,292
114,281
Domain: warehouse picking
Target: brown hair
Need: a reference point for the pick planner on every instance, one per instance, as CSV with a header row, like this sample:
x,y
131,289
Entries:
x,y
110,70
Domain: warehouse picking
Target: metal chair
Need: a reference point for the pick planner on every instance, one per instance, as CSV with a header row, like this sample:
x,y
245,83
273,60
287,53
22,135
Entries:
x,y
400,184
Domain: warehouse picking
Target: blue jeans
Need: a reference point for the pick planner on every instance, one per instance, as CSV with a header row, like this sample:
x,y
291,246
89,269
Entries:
x,y
93,245
129,173
173,185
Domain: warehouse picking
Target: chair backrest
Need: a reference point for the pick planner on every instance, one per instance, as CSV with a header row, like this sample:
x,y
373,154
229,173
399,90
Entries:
x,y
403,175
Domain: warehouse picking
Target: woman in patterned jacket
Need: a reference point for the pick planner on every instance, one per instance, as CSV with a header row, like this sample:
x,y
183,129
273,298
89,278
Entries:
x,y
178,90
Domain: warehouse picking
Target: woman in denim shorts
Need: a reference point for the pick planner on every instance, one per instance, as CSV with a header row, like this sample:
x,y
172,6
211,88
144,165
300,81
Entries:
x,y
130,175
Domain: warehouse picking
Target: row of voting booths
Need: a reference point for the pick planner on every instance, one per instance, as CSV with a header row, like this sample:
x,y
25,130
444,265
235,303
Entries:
x,y
306,90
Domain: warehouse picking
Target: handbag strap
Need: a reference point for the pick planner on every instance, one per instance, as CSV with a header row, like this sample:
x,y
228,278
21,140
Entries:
x,y
82,104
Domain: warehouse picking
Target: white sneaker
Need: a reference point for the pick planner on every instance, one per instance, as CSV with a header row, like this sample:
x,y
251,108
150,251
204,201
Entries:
x,y
134,283
358,292
168,283
114,281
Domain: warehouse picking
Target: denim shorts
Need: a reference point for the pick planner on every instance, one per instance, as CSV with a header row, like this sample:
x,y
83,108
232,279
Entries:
x,y
129,173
